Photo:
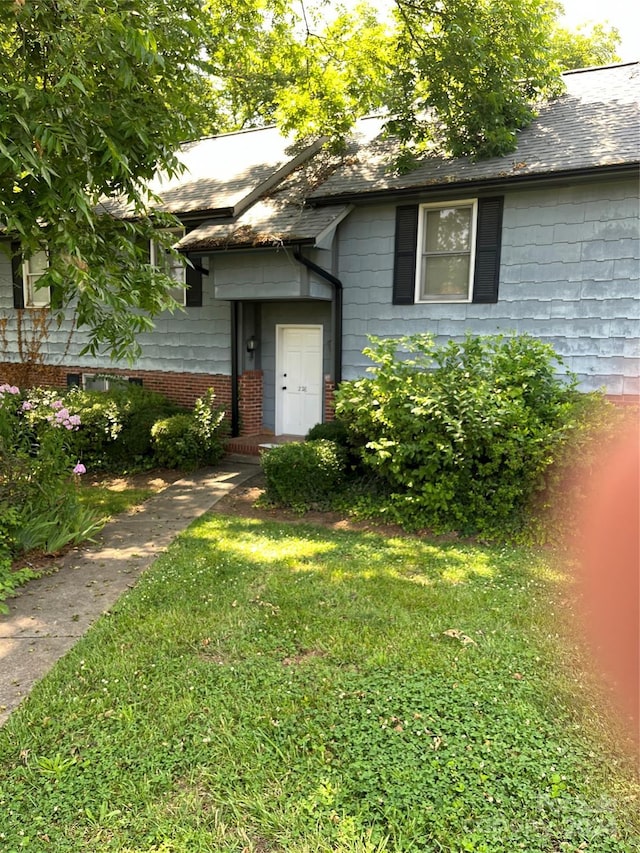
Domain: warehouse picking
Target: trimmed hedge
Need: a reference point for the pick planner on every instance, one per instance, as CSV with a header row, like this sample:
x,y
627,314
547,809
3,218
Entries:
x,y
303,475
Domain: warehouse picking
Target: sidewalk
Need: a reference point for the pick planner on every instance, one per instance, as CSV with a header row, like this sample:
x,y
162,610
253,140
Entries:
x,y
51,613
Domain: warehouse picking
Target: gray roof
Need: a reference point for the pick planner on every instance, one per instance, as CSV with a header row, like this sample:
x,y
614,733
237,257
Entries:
x,y
594,124
280,216
268,222
225,174
252,188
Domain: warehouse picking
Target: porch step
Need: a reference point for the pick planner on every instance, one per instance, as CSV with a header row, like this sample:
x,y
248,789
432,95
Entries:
x,y
253,445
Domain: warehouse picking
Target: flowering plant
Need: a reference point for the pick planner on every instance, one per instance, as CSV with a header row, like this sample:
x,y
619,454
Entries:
x,y
38,473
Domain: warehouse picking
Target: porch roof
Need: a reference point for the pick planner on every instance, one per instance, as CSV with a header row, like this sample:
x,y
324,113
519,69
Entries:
x,y
270,222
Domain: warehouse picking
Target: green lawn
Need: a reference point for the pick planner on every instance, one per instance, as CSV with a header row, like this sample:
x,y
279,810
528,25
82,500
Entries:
x,y
108,502
274,687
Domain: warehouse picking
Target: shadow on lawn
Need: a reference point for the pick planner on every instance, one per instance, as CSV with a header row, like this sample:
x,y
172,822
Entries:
x,y
308,547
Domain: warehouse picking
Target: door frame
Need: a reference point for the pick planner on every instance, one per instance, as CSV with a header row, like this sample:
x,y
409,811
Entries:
x,y
280,328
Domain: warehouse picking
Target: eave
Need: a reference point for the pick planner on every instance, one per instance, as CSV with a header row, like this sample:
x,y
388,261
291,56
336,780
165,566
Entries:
x,y
448,189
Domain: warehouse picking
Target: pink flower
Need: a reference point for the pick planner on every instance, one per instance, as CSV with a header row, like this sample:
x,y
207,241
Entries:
x,y
79,469
27,406
8,389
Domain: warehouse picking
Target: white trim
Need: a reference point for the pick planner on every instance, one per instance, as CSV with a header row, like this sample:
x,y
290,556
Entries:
x,y
95,382
171,266
102,381
324,239
34,297
422,211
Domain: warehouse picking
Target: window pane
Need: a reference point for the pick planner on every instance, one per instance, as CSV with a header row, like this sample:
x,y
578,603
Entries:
x,y
37,264
165,261
448,229
445,275
34,268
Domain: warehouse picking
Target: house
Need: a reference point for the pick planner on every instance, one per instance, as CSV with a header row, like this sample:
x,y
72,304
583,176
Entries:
x,y
296,257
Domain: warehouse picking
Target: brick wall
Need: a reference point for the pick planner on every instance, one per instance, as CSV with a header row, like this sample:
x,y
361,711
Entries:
x,y
329,400
182,388
250,402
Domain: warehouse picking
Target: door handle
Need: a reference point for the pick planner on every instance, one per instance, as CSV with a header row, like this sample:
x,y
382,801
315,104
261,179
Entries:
x,y
284,387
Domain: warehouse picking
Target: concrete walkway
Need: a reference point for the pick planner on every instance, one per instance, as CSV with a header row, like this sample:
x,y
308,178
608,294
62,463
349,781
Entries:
x,y
51,613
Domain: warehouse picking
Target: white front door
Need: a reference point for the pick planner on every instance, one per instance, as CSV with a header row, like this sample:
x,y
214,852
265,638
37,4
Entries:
x,y
298,379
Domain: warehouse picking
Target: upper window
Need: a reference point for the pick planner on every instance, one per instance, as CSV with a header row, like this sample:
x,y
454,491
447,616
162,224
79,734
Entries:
x,y
170,265
34,268
445,262
448,251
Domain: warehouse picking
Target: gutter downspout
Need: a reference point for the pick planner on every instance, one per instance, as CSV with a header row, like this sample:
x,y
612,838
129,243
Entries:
x,y
336,285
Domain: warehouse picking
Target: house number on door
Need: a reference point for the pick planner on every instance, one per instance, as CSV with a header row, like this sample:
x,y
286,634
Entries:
x,y
302,387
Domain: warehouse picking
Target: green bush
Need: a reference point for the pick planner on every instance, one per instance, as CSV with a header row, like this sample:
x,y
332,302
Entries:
x,y
460,434
116,425
190,440
176,443
302,475
331,431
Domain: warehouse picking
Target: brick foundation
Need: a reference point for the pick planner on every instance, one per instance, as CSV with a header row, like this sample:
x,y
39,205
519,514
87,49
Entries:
x,y
182,388
250,402
329,400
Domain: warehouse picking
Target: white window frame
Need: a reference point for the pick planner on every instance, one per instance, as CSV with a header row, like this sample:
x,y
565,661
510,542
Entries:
x,y
420,252
159,256
34,297
101,381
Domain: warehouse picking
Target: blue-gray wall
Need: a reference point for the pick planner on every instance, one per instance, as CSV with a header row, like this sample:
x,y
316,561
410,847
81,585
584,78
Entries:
x,y
195,340
569,275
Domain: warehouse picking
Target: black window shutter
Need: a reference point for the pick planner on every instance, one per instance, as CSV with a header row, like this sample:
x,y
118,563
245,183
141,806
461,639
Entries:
x,y
74,380
194,287
406,246
488,242
16,273
56,297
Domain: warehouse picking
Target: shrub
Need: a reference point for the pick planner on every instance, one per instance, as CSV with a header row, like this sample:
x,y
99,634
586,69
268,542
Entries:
x,y
190,440
10,579
39,503
331,431
302,475
337,431
462,434
176,443
116,425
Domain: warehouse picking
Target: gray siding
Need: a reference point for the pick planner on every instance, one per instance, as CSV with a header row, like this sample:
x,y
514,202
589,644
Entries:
x,y
265,275
195,340
569,275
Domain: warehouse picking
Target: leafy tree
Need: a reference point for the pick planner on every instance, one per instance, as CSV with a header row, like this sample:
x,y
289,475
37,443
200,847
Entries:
x,y
252,50
459,76
471,72
96,97
586,46
274,60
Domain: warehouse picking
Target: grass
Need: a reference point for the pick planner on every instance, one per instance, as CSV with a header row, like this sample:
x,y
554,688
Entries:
x,y
274,687
108,502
